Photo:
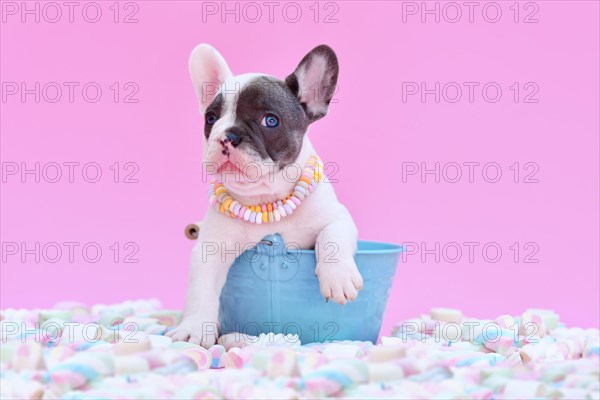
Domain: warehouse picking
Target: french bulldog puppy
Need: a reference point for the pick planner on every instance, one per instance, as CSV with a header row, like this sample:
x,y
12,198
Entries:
x,y
260,120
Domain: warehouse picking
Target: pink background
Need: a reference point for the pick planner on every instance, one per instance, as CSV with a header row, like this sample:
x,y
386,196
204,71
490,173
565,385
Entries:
x,y
369,133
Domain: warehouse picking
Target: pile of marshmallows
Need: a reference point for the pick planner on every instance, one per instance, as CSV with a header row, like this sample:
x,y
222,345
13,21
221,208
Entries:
x,y
120,351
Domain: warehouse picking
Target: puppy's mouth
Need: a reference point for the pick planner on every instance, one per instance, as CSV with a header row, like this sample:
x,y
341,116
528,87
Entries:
x,y
237,174
230,167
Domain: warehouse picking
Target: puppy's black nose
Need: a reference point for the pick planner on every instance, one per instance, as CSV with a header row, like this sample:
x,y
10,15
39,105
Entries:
x,y
233,138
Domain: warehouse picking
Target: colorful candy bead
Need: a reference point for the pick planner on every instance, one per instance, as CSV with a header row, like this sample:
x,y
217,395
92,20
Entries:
x,y
272,211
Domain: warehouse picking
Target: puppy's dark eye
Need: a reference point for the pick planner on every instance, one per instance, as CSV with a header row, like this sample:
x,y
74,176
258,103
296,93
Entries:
x,y
211,118
270,121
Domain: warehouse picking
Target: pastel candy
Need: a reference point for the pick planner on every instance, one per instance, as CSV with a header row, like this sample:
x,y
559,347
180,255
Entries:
x,y
550,318
77,310
446,315
385,371
21,389
138,323
125,309
282,363
260,358
336,376
532,325
160,341
537,352
471,330
52,329
496,339
417,362
309,361
504,344
216,352
195,391
8,350
399,341
57,355
133,343
199,355
132,364
27,355
62,315
385,353
232,359
111,318
180,346
112,335
167,317
521,389
335,351
448,331
568,393
191,354
82,368
569,348
505,321
591,347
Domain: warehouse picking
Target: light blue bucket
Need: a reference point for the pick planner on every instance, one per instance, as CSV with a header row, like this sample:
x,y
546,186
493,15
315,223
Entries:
x,y
271,288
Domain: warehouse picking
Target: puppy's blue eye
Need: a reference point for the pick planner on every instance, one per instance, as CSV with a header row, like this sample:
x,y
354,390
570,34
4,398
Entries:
x,y
270,121
211,118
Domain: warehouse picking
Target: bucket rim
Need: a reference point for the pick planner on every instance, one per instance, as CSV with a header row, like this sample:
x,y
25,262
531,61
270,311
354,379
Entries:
x,y
388,248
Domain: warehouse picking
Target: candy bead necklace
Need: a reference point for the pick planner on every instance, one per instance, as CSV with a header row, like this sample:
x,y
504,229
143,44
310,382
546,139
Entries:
x,y
274,211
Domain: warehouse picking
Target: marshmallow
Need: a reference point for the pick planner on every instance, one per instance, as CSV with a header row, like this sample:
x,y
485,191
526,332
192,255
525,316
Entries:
x,y
550,319
57,355
282,363
62,315
532,325
447,315
519,389
82,368
385,353
133,343
199,355
216,352
28,355
421,360
385,371
232,359
132,364
591,347
309,361
169,318
334,351
193,391
159,341
334,377
506,322
111,318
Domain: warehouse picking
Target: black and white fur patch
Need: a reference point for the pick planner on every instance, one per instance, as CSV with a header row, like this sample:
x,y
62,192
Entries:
x,y
243,101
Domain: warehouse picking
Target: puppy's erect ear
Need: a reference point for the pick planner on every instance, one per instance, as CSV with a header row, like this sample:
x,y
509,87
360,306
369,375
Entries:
x,y
208,70
314,81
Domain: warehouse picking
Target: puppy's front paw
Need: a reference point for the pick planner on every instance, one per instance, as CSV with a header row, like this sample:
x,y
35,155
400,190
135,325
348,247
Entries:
x,y
339,281
197,330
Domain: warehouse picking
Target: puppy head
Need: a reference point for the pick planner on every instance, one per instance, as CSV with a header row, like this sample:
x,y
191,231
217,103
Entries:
x,y
255,123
